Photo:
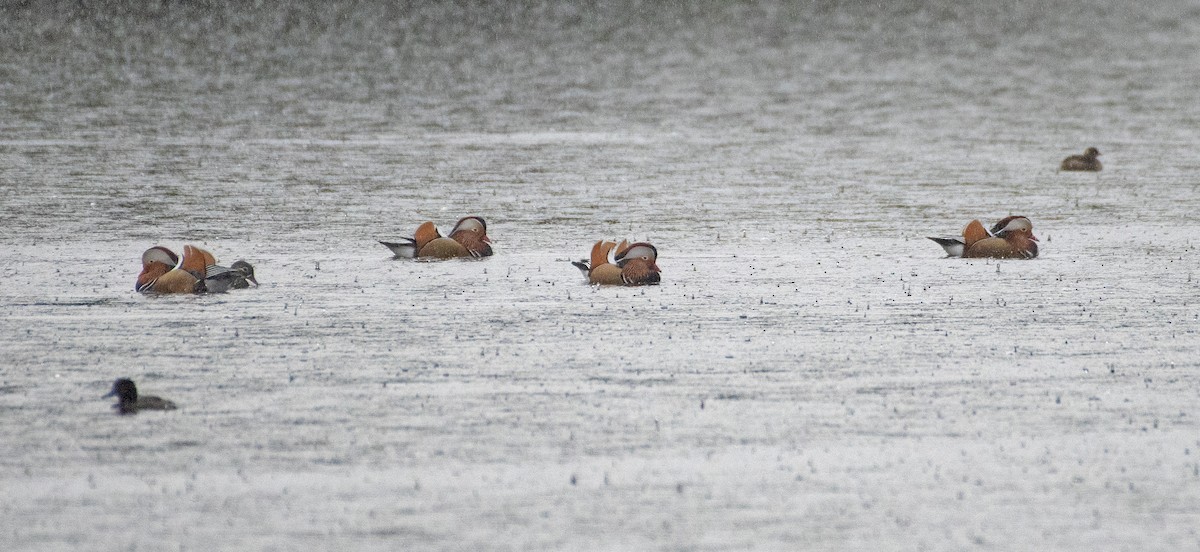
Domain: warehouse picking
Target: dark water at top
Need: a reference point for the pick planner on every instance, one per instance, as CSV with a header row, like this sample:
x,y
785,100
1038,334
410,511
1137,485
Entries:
x,y
812,374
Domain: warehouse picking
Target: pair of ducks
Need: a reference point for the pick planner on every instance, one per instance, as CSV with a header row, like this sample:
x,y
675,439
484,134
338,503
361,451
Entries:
x,y
633,264
196,271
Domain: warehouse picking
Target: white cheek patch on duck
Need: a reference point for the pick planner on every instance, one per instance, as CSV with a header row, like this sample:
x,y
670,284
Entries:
x,y
160,255
646,253
1018,224
470,224
639,251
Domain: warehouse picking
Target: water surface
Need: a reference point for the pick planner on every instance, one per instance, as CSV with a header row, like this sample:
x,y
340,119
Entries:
x,y
811,374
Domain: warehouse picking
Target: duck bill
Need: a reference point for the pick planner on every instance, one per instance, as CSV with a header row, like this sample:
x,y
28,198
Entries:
x,y
112,393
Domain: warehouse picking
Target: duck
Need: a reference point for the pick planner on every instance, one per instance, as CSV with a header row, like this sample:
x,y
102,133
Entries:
x,y
219,279
128,401
196,271
633,264
1085,162
468,239
1010,238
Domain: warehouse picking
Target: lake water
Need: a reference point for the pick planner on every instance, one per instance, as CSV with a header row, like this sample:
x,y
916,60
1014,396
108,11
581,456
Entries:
x,y
811,375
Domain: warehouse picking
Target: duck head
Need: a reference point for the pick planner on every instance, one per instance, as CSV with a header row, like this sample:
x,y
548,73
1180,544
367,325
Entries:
x,y
1013,225
1018,232
471,232
160,254
124,390
156,261
470,224
246,270
638,251
638,264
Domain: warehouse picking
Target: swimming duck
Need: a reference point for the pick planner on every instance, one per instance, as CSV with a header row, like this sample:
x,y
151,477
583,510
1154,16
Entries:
x,y
1010,238
219,279
1085,162
634,264
128,401
195,272
467,239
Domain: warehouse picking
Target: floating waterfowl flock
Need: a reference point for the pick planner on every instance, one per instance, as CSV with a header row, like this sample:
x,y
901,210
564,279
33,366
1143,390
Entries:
x,y
197,271
631,264
610,263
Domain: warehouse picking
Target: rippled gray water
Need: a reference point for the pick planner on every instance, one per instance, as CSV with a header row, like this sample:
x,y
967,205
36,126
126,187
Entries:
x,y
812,374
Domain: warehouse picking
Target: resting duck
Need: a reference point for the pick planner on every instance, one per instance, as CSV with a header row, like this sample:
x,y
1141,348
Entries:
x,y
1010,238
467,239
196,271
219,279
634,264
128,401
1085,162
